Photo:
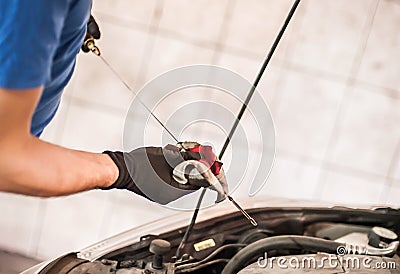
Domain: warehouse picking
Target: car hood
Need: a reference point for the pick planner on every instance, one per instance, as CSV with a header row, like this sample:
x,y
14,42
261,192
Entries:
x,y
182,218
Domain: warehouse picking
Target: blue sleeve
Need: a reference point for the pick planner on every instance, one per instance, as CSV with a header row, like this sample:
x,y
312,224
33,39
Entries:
x,y
29,35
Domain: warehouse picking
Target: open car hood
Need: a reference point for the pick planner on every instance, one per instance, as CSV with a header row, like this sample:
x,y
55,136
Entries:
x,y
178,222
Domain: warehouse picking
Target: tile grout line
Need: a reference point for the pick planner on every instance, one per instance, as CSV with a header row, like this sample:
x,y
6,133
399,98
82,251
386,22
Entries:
x,y
390,178
37,234
350,90
277,96
127,23
342,169
42,208
219,46
59,136
184,38
152,30
228,49
105,224
388,92
115,111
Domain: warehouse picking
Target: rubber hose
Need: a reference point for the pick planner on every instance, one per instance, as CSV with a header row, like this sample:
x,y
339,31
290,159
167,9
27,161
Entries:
x,y
278,242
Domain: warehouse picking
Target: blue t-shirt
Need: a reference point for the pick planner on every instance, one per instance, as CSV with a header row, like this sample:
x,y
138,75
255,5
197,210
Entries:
x,y
39,41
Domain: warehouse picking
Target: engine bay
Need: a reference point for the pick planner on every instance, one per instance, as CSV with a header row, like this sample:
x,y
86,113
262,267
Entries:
x,y
286,240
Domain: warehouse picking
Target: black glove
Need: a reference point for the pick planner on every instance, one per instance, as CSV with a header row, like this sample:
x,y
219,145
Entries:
x,y
92,31
148,171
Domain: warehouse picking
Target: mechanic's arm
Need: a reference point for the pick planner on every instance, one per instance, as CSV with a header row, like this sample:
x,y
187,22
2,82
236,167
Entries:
x,y
34,167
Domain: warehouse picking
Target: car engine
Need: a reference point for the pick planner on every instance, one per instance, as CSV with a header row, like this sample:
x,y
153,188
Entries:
x,y
286,240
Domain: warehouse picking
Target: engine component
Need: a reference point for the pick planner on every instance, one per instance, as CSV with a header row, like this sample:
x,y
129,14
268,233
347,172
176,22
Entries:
x,y
254,235
337,231
381,237
206,254
159,248
389,250
104,266
187,267
244,256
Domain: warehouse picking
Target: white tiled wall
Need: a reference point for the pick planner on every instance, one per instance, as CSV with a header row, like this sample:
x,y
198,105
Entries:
x,y
333,89
382,48
366,110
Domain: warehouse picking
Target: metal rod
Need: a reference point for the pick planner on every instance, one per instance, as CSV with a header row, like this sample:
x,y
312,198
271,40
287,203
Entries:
x,y
232,131
190,227
248,217
258,78
241,112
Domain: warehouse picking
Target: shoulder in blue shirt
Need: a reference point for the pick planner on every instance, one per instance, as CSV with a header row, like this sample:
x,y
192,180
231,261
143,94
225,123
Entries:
x,y
39,41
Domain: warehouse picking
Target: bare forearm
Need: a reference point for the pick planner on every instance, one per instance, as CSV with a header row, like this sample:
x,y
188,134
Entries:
x,y
34,167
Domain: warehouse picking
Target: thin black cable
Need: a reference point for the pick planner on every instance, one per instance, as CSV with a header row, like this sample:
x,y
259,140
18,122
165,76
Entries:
x,y
212,255
216,261
137,96
276,243
236,123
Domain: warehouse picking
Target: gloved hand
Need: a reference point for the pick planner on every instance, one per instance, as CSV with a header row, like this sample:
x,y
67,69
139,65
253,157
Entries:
x,y
149,172
206,172
92,32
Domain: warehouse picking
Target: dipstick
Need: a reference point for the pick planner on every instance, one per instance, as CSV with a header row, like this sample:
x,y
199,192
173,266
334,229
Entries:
x,y
245,214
